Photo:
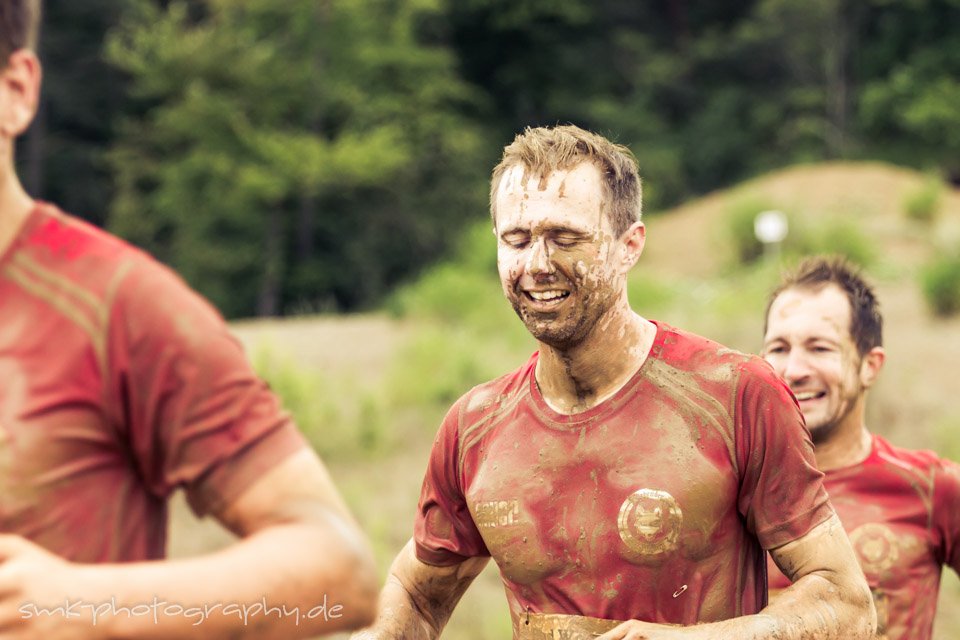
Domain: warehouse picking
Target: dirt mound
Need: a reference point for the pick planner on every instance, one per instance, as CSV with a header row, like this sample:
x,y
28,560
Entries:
x,y
690,240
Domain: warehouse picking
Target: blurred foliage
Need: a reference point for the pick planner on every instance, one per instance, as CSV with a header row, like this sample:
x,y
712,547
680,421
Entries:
x,y
831,235
923,202
807,235
60,158
940,281
291,151
333,428
312,155
739,219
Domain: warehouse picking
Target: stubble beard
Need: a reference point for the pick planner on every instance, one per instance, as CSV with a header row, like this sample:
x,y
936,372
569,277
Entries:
x,y
563,334
825,429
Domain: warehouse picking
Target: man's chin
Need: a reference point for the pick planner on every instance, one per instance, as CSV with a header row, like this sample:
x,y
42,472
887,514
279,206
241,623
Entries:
x,y
552,335
822,431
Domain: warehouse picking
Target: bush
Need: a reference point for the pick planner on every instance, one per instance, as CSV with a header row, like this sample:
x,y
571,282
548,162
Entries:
x,y
332,427
940,281
923,203
831,236
739,219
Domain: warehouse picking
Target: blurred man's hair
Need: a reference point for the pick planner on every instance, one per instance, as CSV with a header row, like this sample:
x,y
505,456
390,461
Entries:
x,y
815,273
19,20
543,150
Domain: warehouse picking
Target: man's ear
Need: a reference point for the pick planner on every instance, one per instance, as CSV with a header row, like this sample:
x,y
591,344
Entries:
x,y
633,240
19,92
870,366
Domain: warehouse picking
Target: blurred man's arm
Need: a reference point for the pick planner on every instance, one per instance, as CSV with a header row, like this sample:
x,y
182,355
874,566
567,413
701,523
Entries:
x,y
302,568
418,599
829,599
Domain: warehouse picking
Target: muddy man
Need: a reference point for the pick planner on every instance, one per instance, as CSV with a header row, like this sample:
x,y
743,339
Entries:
x,y
629,477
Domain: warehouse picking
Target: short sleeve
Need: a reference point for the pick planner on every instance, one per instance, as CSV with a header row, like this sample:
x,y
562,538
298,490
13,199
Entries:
x,y
194,412
444,530
946,499
781,493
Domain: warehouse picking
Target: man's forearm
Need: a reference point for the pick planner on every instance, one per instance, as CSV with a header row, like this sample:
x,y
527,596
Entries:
x,y
398,617
418,599
827,617
816,607
286,581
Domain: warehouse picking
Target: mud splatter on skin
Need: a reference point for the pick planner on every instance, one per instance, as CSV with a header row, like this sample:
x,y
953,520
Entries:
x,y
564,271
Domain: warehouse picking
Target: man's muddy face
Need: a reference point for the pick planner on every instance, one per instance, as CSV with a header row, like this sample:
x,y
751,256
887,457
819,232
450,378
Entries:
x,y
808,343
556,252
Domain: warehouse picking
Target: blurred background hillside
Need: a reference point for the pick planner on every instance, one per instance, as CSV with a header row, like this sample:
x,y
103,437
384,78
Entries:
x,y
311,155
330,157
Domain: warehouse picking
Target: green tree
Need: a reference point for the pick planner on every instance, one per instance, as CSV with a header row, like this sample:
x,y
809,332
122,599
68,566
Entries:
x,y
292,155
911,67
60,159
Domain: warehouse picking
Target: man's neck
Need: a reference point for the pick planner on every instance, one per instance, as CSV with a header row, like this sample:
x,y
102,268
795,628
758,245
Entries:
x,y
15,207
850,444
577,379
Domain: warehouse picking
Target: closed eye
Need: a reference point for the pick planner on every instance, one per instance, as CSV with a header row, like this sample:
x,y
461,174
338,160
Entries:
x,y
515,240
566,240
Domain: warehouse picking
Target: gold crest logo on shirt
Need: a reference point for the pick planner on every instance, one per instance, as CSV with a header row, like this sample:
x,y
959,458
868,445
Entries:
x,y
649,522
876,547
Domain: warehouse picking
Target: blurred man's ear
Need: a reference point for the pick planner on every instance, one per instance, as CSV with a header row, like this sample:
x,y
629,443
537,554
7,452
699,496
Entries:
x,y
633,240
870,366
19,92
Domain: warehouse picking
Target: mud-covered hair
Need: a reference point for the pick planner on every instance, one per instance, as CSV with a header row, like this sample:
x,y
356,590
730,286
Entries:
x,y
543,150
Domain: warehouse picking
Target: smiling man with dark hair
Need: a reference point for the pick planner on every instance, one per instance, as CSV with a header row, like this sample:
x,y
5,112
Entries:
x,y
119,385
901,508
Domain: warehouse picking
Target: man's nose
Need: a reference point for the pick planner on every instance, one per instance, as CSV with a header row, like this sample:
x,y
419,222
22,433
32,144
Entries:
x,y
796,367
538,260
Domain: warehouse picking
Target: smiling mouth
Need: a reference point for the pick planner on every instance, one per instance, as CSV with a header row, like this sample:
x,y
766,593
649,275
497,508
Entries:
x,y
551,297
809,395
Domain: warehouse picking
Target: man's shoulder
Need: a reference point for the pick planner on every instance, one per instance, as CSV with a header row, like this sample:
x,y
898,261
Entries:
x,y
495,396
922,462
702,356
63,247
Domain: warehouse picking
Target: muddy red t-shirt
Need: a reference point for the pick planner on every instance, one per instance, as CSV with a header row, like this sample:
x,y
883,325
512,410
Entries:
x,y
117,385
655,504
901,509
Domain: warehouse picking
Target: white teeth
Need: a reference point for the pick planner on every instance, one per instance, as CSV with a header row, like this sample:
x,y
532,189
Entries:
x,y
807,395
544,296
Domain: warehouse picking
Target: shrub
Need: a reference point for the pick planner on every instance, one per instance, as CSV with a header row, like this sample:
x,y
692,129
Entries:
x,y
739,219
832,236
316,404
923,202
940,281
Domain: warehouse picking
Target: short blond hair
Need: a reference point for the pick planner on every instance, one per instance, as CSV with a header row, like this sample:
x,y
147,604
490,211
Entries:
x,y
543,150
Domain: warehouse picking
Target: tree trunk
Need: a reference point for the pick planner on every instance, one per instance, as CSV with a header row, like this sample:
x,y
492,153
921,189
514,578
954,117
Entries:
x,y
268,300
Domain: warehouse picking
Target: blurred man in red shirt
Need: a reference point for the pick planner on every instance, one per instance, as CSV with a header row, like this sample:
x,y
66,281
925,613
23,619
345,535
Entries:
x,y
118,385
901,508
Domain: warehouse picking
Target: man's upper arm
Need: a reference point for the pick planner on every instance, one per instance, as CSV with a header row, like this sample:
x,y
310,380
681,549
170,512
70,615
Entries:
x,y
781,490
194,412
824,551
299,489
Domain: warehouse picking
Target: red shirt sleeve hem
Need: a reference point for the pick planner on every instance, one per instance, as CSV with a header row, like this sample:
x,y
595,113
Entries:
x,y
796,528
232,476
438,557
